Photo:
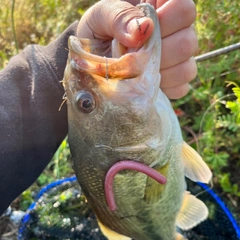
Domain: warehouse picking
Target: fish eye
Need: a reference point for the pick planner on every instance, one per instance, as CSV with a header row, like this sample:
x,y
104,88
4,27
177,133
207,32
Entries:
x,y
85,102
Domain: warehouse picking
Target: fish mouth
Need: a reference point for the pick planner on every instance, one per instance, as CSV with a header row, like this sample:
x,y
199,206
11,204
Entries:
x,y
87,55
109,74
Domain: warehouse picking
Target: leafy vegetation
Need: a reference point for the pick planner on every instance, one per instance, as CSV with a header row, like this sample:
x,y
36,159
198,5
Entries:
x,y
37,21
210,117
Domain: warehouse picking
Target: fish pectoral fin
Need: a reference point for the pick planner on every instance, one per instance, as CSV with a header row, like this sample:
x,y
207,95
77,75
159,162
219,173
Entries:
x,y
110,234
194,166
154,190
193,211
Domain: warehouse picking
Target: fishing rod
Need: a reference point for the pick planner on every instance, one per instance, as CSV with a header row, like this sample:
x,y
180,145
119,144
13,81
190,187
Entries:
x,y
217,52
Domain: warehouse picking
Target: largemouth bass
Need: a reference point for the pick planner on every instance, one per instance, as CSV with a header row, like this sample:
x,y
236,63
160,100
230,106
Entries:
x,y
120,122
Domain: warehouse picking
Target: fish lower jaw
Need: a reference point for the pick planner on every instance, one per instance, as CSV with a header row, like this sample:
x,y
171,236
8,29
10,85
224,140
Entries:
x,y
77,64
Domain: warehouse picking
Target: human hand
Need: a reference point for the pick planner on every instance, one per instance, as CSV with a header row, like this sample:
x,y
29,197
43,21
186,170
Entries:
x,y
110,19
179,44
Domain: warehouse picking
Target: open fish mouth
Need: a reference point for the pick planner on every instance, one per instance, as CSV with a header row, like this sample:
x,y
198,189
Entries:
x,y
112,75
87,55
127,165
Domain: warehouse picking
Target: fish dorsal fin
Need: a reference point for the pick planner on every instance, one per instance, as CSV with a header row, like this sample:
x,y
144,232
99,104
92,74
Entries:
x,y
193,211
194,166
110,234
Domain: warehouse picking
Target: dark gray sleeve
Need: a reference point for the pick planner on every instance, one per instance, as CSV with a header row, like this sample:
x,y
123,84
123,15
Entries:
x,y
31,125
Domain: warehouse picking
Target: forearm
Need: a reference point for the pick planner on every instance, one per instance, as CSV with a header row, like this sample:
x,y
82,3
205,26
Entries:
x,y
32,127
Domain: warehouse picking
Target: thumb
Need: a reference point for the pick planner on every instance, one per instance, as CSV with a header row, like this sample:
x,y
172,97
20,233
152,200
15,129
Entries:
x,y
110,19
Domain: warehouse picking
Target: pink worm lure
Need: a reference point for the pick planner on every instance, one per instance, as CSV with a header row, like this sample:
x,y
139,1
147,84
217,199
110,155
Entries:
x,y
130,165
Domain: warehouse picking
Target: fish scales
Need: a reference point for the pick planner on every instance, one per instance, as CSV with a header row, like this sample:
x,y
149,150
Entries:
x,y
121,116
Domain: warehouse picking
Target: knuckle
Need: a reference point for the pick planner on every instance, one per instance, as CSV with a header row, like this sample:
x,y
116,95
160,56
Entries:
x,y
189,43
188,10
182,91
177,92
189,70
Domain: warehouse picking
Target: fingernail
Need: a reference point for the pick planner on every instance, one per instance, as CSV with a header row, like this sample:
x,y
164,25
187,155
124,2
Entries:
x,y
138,24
